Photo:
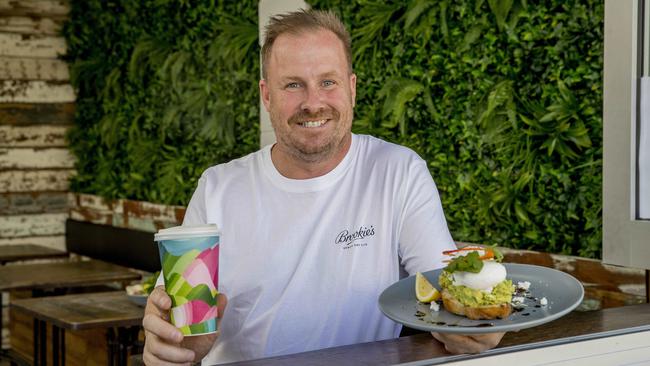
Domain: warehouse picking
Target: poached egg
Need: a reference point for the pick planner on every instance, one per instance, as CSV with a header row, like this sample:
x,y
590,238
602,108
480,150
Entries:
x,y
490,275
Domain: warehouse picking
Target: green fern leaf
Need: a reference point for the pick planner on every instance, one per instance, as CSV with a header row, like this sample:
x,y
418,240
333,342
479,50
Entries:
x,y
236,41
414,10
148,54
471,36
398,92
377,15
500,9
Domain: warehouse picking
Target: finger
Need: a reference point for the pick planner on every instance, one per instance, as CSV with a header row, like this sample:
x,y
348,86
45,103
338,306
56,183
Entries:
x,y
158,303
496,335
489,340
457,343
161,352
151,360
437,336
200,344
160,298
472,344
222,302
160,328
447,337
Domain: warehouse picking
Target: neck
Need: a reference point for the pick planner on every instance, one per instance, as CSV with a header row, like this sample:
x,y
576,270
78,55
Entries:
x,y
293,167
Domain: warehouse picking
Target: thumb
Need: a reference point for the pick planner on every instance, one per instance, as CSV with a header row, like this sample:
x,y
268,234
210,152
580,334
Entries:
x,y
222,302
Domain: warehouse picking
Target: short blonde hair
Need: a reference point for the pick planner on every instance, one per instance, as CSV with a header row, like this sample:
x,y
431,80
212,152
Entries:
x,y
300,21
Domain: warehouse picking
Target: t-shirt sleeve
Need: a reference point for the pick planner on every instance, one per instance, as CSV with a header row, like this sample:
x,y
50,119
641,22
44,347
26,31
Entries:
x,y
424,234
195,213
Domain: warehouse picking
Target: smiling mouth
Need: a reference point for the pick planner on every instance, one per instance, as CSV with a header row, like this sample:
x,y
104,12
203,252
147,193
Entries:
x,y
312,124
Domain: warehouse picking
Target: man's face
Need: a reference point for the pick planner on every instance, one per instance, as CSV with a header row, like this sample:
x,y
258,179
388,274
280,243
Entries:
x,y
309,93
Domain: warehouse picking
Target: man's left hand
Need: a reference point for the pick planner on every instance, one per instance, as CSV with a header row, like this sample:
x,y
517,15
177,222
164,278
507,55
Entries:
x,y
475,343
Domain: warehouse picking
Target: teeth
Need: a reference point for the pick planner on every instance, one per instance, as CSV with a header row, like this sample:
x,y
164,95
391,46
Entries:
x,y
310,124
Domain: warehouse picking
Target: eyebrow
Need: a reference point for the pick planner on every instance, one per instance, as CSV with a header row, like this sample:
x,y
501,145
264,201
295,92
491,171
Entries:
x,y
330,74
327,75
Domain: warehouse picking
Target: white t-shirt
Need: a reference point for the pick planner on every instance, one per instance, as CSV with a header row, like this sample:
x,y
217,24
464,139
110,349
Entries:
x,y
303,261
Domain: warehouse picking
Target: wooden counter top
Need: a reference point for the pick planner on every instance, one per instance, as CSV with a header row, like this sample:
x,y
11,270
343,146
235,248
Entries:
x,y
573,327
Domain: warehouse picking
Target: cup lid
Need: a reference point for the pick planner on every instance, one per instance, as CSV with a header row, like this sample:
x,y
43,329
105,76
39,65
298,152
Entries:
x,y
189,231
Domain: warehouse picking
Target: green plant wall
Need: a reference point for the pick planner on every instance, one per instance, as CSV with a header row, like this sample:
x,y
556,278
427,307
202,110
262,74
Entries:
x,y
503,98
166,88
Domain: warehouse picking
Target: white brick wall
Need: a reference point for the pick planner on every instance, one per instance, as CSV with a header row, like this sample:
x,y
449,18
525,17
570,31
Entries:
x,y
35,113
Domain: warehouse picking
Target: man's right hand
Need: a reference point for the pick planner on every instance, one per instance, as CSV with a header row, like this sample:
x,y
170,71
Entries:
x,y
164,343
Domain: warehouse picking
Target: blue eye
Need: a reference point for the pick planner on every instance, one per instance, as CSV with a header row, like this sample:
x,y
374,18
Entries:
x,y
328,82
292,85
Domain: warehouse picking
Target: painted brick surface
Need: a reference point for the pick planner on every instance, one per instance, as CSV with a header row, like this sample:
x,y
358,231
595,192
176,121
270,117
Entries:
x,y
33,69
48,224
35,158
30,45
33,136
35,91
35,180
137,215
26,114
33,203
31,25
54,9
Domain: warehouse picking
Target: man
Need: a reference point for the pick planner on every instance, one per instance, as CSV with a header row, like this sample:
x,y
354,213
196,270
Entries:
x,y
315,226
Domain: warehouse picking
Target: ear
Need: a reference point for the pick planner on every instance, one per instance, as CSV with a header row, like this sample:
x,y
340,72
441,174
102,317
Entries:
x,y
353,89
264,93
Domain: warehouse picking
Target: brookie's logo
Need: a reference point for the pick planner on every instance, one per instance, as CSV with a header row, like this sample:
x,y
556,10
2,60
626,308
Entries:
x,y
350,239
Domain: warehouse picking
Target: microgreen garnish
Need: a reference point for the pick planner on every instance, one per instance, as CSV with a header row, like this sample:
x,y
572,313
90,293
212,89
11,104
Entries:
x,y
468,263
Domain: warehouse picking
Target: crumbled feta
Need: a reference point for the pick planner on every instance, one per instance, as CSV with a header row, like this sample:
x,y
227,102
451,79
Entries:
x,y
518,300
525,285
434,306
543,301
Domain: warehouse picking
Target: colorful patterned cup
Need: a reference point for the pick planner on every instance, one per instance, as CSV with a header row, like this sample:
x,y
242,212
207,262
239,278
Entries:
x,y
190,265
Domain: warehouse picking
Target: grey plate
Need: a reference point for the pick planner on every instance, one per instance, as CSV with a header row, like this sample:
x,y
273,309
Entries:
x,y
562,291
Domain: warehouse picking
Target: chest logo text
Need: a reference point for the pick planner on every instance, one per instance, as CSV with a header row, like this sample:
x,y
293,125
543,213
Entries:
x,y
349,239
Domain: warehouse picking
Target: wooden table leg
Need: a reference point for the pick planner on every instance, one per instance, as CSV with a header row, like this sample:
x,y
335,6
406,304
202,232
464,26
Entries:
x,y
43,341
40,340
35,338
55,345
123,346
62,346
58,345
127,337
111,343
40,336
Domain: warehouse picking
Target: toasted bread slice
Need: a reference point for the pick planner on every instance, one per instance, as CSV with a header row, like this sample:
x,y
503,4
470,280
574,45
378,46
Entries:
x,y
481,312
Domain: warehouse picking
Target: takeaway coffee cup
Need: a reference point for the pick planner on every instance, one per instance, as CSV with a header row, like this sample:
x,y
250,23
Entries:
x,y
189,256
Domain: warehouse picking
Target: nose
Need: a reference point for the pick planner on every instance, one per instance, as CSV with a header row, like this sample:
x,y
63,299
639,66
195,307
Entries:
x,y
313,101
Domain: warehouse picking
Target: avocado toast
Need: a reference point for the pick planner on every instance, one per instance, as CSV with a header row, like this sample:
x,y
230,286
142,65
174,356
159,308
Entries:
x,y
474,284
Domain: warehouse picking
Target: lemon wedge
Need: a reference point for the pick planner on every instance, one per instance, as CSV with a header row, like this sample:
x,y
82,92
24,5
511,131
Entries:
x,y
424,290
